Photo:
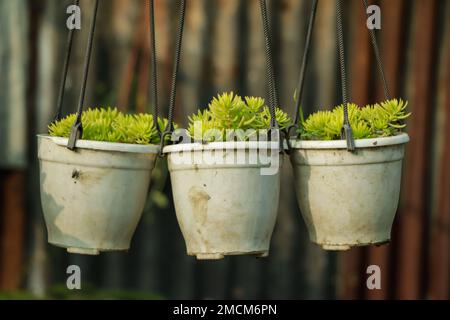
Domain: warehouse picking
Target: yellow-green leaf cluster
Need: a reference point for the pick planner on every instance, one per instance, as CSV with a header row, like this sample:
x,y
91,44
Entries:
x,y
109,124
229,114
379,120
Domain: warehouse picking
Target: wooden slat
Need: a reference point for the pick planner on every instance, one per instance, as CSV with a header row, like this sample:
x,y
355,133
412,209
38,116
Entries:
x,y
292,33
413,213
13,66
351,274
439,263
325,82
143,76
288,254
360,55
12,229
390,39
132,62
255,61
37,263
196,65
225,66
297,255
245,273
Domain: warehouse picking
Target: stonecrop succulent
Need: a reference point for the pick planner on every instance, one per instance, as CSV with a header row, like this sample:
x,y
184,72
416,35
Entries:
x,y
379,120
109,124
228,115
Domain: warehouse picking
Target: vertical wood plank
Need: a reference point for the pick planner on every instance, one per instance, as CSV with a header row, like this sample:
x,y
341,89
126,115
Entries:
x,y
351,263
439,262
37,257
255,60
197,45
129,71
324,60
14,67
413,213
244,273
225,71
195,48
12,229
360,55
391,50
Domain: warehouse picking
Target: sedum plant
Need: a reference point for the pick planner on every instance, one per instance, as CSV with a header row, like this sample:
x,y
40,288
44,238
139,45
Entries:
x,y
379,120
109,124
228,115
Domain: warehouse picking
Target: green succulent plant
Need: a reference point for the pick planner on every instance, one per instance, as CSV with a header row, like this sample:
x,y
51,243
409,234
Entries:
x,y
229,115
109,124
379,120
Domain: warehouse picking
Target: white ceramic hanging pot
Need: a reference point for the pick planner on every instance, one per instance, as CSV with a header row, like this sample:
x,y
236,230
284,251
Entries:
x,y
226,196
348,199
93,197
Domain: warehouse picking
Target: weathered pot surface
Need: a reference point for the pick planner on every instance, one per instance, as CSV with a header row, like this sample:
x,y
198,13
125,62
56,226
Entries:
x,y
93,197
348,198
225,206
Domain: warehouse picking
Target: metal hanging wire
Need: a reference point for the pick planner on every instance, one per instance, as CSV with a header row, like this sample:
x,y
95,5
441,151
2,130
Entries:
x,y
376,50
273,95
62,86
305,59
346,131
77,128
154,74
170,126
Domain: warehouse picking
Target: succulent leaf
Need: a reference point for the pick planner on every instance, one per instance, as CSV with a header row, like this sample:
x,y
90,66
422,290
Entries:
x,y
109,124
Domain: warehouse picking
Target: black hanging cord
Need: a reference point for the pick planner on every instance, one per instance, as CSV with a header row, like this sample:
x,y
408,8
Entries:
x,y
154,75
346,131
169,128
305,59
179,42
301,80
77,128
59,104
273,96
377,55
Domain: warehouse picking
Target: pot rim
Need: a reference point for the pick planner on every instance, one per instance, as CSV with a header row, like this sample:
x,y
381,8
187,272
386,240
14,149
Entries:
x,y
103,145
227,145
401,138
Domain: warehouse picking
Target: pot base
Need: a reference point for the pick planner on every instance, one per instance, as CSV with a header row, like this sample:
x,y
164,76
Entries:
x,y
86,251
90,252
345,247
219,256
335,247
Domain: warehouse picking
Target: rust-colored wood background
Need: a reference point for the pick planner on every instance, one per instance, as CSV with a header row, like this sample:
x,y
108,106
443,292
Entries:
x,y
223,49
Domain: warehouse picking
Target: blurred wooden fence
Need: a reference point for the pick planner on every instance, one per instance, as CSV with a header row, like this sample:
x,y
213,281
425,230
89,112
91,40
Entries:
x,y
223,49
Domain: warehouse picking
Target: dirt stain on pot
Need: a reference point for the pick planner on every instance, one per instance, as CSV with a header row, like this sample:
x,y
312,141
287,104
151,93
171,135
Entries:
x,y
199,202
76,174
86,177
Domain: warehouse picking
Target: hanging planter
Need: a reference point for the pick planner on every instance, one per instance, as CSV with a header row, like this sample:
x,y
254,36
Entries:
x,y
226,193
95,168
223,209
350,198
347,162
93,198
